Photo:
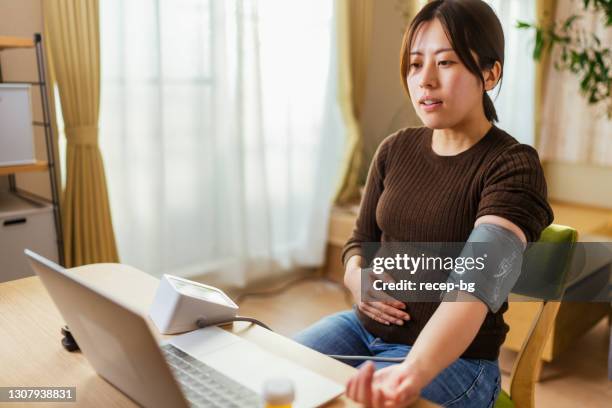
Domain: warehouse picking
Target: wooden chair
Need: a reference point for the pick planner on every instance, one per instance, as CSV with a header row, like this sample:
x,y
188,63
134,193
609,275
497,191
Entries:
x,y
551,262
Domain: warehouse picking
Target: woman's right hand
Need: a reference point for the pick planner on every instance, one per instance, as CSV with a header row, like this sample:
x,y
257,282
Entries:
x,y
387,311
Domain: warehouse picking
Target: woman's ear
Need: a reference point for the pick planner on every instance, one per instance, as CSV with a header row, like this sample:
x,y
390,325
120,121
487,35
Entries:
x,y
492,75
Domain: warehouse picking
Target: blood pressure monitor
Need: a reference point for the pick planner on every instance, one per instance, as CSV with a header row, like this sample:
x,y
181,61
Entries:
x,y
179,303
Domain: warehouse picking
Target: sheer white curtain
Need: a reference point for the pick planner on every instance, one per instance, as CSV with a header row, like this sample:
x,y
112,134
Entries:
x,y
572,130
514,101
221,133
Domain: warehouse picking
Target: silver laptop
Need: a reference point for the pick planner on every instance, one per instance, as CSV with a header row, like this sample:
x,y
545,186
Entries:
x,y
208,367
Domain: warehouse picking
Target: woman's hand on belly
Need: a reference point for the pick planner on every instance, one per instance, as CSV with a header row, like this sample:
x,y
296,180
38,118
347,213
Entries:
x,y
386,311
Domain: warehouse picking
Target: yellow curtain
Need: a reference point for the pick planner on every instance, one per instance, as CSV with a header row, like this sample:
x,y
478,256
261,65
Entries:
x,y
545,15
354,20
73,39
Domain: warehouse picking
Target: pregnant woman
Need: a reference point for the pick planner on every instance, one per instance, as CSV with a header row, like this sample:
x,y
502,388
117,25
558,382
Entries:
x,y
456,177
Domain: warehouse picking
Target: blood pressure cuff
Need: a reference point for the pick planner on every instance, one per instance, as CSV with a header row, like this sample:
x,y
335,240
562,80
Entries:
x,y
501,254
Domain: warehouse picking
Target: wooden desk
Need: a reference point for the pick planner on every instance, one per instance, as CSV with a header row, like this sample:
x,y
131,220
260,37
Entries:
x,y
31,353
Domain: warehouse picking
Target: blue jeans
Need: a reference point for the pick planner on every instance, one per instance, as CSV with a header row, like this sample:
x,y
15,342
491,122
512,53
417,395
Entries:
x,y
465,383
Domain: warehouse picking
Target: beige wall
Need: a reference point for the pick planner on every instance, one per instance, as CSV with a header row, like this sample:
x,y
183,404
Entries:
x,y
579,183
386,107
24,18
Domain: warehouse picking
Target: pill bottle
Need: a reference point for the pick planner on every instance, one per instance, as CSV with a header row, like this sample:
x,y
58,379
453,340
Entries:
x,y
278,393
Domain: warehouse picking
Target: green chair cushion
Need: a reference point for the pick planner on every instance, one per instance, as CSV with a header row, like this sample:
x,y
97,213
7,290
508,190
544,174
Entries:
x,y
556,233
503,401
546,264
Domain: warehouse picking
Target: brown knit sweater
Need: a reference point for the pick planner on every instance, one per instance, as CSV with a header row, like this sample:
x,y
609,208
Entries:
x,y
414,195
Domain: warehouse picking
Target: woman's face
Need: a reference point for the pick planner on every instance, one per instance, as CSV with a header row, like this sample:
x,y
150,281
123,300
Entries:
x,y
444,93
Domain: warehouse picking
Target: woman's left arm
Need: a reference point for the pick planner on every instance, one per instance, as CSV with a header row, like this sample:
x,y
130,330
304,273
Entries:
x,y
447,334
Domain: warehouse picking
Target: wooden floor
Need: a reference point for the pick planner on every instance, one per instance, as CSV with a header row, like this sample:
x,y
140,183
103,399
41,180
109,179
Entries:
x,y
577,379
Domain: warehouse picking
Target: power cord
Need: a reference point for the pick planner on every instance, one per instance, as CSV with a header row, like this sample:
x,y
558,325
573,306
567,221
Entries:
x,y
70,344
371,358
201,323
348,298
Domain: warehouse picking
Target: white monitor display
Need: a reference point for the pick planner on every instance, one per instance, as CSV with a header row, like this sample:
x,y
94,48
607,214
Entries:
x,y
200,292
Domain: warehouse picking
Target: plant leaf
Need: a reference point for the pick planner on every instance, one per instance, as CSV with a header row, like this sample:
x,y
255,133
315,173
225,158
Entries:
x,y
523,24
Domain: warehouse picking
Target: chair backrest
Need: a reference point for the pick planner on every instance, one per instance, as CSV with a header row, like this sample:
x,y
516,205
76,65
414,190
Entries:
x,y
546,264
552,264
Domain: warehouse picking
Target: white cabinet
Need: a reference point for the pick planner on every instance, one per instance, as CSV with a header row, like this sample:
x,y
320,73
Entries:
x,y
24,223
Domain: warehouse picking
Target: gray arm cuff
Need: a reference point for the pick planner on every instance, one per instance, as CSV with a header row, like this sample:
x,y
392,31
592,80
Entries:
x,y
503,254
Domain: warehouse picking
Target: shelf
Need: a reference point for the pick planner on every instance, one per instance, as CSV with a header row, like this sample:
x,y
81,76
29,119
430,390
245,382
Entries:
x,y
15,42
24,168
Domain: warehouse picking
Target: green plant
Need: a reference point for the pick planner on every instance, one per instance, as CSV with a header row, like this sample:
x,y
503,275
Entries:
x,y
581,52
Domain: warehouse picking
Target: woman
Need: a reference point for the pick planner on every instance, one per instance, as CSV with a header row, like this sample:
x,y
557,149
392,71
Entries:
x,y
436,184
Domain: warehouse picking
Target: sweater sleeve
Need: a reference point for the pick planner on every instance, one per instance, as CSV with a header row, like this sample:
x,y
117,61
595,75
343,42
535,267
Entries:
x,y
366,228
515,189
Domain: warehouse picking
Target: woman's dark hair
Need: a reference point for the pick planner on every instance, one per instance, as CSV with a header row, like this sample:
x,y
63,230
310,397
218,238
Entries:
x,y
470,25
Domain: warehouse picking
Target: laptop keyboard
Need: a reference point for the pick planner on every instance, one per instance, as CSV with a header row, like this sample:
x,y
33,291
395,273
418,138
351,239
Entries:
x,y
204,386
